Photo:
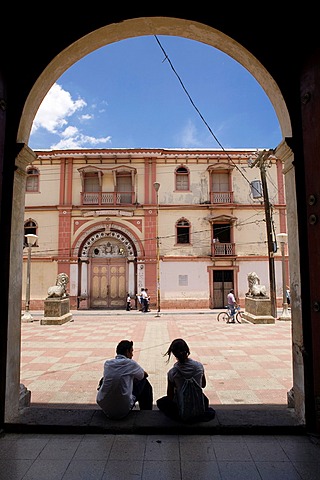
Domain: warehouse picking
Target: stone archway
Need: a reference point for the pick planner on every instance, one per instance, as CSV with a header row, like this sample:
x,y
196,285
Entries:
x,y
151,26
194,31
107,266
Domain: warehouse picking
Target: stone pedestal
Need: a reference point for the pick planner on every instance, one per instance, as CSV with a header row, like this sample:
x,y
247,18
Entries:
x,y
258,310
24,397
56,311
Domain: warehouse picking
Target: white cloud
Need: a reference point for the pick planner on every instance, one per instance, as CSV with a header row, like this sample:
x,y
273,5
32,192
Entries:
x,y
188,136
70,132
87,116
54,114
72,138
55,108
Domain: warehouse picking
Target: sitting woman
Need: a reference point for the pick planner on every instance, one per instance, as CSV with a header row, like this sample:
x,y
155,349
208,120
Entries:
x,y
184,368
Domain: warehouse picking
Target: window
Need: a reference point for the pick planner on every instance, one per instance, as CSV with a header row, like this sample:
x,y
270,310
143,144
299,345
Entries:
x,y
221,240
91,182
220,184
29,227
32,182
183,231
107,186
182,178
222,232
124,187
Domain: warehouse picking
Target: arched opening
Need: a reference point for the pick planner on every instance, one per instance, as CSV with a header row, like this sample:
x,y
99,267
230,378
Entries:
x,y
107,266
210,36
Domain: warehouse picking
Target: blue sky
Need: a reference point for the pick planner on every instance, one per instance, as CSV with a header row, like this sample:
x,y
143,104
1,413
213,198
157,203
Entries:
x,y
126,95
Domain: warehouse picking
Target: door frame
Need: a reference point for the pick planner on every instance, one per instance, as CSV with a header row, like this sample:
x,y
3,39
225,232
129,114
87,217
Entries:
x,y
108,263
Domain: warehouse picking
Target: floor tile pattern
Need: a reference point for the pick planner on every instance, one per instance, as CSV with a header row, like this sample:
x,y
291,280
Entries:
x,y
244,363
152,457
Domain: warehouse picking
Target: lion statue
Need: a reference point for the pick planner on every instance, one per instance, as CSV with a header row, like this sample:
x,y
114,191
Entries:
x,y
60,288
255,289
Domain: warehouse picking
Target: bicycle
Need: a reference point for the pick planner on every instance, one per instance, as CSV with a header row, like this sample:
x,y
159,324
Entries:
x,y
226,316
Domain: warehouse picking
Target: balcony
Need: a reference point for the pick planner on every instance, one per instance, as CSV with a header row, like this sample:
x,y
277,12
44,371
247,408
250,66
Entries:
x,y
223,249
107,198
221,197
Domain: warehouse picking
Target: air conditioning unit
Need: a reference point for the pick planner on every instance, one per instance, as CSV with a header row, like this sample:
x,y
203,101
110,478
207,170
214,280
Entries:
x,y
256,188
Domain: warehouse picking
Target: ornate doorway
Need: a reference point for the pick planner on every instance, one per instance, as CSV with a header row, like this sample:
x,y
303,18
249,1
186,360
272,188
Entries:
x,y
107,266
108,283
108,274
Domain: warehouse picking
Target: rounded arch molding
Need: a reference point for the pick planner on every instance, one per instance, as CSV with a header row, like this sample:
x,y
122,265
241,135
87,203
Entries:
x,y
118,232
150,26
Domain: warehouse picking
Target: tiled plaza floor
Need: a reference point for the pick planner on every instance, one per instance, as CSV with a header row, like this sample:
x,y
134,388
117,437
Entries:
x,y
244,363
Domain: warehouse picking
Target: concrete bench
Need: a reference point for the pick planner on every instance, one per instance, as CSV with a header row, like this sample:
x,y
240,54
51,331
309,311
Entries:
x,y
229,419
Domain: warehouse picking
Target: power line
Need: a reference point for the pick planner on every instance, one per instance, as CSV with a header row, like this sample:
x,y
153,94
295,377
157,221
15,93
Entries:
x,y
196,108
261,160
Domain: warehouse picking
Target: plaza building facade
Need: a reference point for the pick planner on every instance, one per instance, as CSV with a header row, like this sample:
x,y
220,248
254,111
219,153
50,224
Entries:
x,y
186,224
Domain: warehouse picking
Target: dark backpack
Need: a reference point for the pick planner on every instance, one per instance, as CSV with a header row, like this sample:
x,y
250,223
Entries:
x,y
190,400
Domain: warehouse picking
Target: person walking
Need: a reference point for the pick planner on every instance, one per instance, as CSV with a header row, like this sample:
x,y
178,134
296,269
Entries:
x,y
128,302
288,296
124,383
144,299
139,298
147,300
231,305
185,367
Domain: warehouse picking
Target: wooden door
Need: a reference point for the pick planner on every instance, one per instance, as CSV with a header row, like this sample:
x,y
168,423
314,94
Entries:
x,y
108,283
307,170
222,284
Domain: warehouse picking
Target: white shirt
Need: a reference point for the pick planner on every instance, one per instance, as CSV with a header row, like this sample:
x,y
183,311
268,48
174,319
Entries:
x,y
231,299
115,395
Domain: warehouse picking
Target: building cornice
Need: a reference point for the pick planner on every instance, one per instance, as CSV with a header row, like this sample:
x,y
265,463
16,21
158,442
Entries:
x,y
171,154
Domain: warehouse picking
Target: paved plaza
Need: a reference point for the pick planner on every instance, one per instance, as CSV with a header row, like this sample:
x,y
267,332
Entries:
x,y
244,363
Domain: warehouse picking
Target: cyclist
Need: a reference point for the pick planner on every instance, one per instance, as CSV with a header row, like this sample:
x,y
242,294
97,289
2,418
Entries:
x,y
232,305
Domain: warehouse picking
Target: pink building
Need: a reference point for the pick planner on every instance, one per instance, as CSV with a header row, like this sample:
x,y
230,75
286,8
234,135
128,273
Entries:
x,y
100,219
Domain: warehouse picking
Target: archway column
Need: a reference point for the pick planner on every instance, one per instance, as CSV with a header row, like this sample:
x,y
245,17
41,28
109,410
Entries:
x,y
296,396
83,301
84,278
131,279
16,395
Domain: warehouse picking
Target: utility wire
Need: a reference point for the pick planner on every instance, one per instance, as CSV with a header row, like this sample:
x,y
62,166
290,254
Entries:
x,y
197,110
187,93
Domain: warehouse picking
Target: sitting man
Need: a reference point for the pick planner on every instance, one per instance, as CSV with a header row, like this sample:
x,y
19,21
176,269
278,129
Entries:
x,y
123,384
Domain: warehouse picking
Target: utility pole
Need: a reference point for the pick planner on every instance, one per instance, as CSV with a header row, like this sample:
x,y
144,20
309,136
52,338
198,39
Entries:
x,y
261,162
156,186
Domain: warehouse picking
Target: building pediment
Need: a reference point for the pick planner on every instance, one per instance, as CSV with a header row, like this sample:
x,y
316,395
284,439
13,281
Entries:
x,y
221,219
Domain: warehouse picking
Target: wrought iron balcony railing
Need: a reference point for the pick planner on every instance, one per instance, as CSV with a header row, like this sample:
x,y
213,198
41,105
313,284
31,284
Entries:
x,y
223,249
107,198
221,197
